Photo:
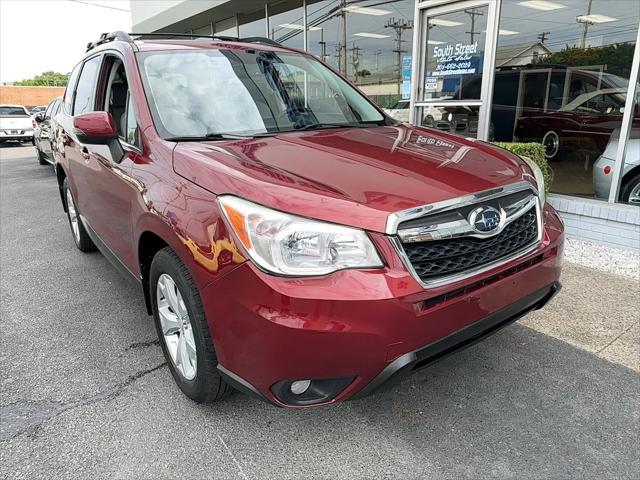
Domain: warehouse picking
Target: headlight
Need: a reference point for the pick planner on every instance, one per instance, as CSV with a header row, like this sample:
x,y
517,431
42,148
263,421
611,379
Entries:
x,y
289,245
539,178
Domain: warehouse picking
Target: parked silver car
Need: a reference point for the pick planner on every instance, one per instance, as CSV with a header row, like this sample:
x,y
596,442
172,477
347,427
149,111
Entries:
x,y
603,169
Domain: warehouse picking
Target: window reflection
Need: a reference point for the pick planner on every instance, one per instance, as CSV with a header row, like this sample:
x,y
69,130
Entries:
x,y
562,76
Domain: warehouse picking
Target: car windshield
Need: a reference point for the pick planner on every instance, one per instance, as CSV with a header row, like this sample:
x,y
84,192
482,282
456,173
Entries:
x,y
13,112
235,92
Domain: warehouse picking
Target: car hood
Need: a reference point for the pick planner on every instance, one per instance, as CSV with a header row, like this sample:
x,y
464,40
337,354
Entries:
x,y
354,176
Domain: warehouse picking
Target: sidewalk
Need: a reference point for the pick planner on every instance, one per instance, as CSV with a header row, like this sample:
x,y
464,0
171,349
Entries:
x,y
596,311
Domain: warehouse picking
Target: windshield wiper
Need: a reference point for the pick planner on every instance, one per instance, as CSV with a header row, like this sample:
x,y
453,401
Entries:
x,y
208,136
314,126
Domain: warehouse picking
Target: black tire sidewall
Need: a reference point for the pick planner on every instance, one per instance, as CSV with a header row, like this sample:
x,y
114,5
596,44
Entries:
x,y
627,186
166,261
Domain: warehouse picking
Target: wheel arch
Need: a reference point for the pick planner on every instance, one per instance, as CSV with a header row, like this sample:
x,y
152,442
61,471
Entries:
x,y
149,244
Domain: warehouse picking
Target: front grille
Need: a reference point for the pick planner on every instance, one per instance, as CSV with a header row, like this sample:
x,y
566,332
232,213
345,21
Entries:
x,y
438,258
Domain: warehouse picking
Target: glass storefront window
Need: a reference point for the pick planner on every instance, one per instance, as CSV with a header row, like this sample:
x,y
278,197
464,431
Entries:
x,y
562,76
286,23
252,24
205,30
324,31
455,53
379,48
226,27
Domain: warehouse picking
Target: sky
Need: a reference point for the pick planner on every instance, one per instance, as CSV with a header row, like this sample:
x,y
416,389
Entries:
x,y
41,35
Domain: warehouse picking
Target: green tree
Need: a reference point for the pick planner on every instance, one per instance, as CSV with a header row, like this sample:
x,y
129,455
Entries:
x,y
47,79
616,58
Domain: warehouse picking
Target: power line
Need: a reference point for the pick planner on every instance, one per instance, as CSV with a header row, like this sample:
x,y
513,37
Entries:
x,y
99,5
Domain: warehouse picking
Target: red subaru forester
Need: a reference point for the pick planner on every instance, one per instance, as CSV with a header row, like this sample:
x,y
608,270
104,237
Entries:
x,y
290,239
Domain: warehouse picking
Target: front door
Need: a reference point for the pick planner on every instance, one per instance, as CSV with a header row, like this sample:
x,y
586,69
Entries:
x,y
453,45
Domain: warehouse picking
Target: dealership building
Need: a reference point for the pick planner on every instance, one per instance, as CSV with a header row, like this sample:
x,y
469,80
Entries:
x,y
563,73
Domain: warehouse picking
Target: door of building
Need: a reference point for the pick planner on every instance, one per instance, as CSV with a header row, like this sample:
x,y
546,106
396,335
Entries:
x,y
454,44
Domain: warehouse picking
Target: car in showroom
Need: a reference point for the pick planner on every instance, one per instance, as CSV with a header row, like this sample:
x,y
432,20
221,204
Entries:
x,y
606,163
294,243
15,124
45,135
585,123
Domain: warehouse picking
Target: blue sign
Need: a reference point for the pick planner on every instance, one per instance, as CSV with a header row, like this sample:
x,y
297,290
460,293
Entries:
x,y
406,77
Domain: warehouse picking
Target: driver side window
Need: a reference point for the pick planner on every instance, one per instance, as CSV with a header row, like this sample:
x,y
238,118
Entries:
x,y
118,102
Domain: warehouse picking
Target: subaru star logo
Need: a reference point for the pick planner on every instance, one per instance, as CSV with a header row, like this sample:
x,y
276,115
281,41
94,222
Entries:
x,y
485,219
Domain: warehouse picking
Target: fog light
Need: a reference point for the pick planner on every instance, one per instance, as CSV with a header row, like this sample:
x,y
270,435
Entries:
x,y
300,386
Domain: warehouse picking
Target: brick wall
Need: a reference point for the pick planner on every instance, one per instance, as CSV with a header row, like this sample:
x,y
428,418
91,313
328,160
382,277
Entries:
x,y
29,96
612,224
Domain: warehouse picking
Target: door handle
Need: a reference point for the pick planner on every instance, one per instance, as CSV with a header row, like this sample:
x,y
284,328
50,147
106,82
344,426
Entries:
x,y
85,154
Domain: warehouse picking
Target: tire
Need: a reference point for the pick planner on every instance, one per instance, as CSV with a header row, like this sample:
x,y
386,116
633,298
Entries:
x,y
553,148
630,191
80,236
195,373
41,159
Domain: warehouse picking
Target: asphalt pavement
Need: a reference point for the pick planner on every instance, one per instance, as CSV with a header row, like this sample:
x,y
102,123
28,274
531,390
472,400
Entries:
x,y
85,392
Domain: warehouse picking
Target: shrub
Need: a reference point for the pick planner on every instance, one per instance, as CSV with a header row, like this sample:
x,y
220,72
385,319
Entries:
x,y
533,151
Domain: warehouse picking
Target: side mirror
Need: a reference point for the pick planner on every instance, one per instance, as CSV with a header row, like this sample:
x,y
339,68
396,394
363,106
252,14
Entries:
x,y
95,128
98,128
38,118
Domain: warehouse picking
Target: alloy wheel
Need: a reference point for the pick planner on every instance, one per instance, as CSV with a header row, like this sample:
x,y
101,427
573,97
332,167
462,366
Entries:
x,y
634,195
73,216
176,327
551,143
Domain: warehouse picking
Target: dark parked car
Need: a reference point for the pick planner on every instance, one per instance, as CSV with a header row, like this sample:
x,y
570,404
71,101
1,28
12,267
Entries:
x,y
293,242
45,136
585,123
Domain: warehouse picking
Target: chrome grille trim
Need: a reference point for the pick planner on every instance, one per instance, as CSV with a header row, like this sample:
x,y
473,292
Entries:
x,y
396,218
462,228
518,209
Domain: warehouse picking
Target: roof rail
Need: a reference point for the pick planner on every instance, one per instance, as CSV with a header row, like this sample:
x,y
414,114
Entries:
x,y
264,40
110,37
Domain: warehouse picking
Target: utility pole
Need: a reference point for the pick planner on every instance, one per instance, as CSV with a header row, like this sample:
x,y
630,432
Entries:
x,y
473,12
377,54
339,56
355,60
543,36
399,26
585,26
343,43
323,45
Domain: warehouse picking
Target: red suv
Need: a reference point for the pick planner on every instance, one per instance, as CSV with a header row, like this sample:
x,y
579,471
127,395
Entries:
x,y
289,238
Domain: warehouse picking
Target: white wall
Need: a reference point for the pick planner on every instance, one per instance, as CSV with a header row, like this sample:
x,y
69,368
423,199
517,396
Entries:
x,y
143,9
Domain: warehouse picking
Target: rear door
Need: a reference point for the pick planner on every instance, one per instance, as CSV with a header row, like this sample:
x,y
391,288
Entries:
x,y
78,154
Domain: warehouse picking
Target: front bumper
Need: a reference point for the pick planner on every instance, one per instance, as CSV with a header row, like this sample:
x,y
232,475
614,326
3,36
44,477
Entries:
x,y
370,327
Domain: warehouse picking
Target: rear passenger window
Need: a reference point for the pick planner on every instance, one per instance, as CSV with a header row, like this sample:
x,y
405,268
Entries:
x,y
71,85
85,91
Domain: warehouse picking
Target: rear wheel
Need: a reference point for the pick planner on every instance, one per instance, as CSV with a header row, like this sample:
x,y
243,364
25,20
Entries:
x,y
630,191
552,145
80,236
183,329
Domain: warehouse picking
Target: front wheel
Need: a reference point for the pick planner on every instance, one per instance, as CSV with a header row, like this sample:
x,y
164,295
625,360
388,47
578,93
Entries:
x,y
183,330
80,235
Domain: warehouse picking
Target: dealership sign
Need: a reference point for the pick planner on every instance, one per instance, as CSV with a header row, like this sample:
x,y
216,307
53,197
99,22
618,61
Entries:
x,y
454,59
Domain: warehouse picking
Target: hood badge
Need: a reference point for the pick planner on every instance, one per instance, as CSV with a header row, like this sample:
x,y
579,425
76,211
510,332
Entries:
x,y
486,220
